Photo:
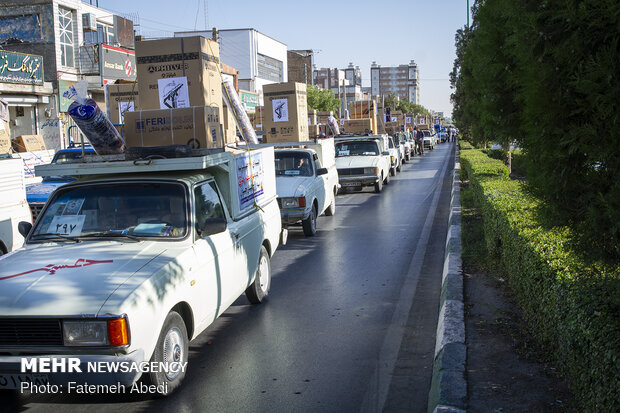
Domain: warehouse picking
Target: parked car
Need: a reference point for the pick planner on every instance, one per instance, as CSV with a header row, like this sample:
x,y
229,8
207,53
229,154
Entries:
x,y
363,161
394,156
306,183
37,194
430,139
133,260
407,139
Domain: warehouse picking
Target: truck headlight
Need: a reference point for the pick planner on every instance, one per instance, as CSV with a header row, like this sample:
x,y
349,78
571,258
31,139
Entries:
x,y
111,332
85,333
371,171
291,202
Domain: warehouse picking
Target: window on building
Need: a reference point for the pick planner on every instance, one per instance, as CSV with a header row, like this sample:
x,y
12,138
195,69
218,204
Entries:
x,y
270,68
65,23
105,34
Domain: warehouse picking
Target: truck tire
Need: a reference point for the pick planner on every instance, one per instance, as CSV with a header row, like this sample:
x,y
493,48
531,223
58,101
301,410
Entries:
x,y
393,171
259,289
172,346
331,209
379,185
386,181
309,224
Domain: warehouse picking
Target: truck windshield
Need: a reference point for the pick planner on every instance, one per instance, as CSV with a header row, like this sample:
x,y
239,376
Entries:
x,y
289,163
357,148
132,209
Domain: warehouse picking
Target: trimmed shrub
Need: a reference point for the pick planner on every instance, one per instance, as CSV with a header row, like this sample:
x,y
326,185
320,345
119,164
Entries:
x,y
570,304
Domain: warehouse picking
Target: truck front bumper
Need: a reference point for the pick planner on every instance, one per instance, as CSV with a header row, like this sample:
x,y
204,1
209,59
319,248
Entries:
x,y
294,215
358,180
92,369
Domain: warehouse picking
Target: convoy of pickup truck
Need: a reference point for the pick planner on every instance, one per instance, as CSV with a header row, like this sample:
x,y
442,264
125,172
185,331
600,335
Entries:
x,y
152,251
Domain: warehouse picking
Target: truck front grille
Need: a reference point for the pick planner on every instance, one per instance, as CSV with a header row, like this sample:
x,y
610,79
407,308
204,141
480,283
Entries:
x,y
35,209
350,171
30,332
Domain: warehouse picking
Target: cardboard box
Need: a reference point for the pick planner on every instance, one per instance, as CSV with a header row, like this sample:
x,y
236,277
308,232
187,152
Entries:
x,y
312,118
5,137
197,126
28,143
121,98
364,109
195,57
286,112
356,126
314,131
230,126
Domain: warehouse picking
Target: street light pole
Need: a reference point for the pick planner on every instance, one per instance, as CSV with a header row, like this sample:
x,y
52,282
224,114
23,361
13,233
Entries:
x,y
468,14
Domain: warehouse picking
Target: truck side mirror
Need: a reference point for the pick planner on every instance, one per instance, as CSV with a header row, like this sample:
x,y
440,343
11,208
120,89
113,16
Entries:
x,y
212,226
24,228
321,171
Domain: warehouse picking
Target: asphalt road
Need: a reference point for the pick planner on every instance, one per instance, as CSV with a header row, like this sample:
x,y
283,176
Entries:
x,y
349,325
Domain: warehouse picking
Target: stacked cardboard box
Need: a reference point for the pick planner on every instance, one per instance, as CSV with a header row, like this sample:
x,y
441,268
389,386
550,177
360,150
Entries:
x,y
365,109
196,126
195,58
121,98
356,126
286,112
180,94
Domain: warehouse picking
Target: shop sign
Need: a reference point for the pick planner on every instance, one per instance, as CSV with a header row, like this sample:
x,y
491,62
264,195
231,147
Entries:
x,y
21,68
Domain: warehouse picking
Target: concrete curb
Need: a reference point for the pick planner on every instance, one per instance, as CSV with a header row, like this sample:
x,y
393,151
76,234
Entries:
x,y
448,393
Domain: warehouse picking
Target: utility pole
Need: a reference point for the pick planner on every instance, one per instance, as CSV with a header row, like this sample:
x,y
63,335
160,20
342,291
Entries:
x,y
468,14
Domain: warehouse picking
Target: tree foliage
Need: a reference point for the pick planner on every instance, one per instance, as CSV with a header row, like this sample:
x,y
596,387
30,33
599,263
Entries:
x,y
391,102
322,99
545,75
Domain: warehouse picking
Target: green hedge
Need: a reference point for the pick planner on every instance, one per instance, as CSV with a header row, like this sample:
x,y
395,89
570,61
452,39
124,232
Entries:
x,y
571,306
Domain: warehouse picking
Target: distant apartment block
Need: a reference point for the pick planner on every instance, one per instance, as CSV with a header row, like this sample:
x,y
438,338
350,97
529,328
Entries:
x,y
403,80
300,64
343,82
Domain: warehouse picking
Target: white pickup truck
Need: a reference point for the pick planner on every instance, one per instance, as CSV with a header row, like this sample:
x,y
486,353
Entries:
x,y
363,161
126,265
13,204
306,181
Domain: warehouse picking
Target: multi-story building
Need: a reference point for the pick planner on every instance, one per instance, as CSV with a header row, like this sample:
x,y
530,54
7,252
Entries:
x,y
345,83
73,41
300,64
259,58
402,80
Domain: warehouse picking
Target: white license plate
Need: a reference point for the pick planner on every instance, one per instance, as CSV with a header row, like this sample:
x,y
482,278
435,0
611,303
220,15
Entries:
x,y
14,381
350,184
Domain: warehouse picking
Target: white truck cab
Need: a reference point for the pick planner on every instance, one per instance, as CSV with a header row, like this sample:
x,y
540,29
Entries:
x,y
133,260
395,157
363,161
13,204
306,182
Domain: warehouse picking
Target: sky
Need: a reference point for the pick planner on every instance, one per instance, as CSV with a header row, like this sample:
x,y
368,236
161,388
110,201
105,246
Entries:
x,y
390,32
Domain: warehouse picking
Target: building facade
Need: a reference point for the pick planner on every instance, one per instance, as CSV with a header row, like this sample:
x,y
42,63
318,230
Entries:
x,y
345,83
402,80
300,64
259,58
76,41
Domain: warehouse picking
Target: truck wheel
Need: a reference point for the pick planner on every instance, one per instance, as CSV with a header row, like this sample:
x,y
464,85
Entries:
x,y
309,224
398,168
393,171
259,289
331,209
379,185
386,181
172,347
